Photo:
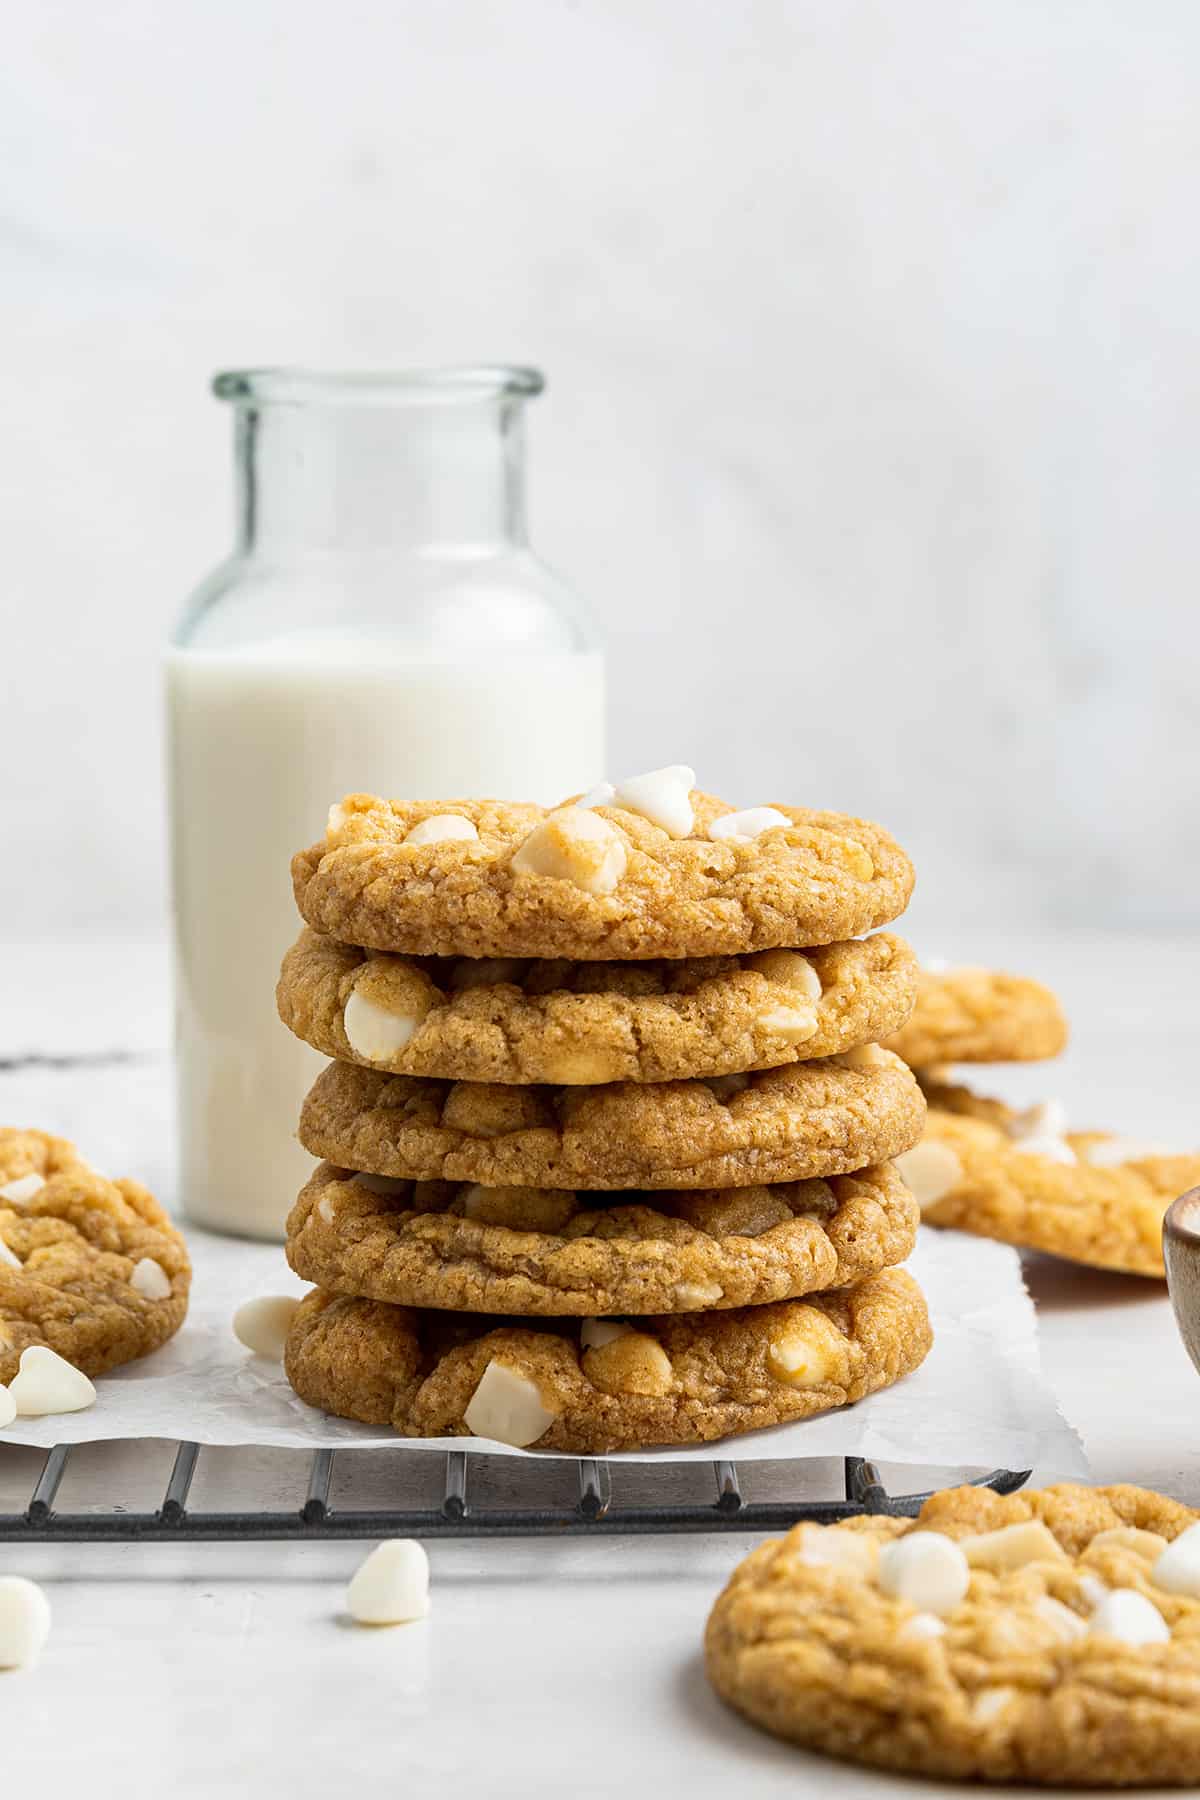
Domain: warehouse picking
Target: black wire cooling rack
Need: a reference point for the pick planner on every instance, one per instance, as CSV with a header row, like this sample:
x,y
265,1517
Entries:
x,y
465,1509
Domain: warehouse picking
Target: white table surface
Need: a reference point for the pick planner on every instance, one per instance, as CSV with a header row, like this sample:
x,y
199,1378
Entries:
x,y
546,1666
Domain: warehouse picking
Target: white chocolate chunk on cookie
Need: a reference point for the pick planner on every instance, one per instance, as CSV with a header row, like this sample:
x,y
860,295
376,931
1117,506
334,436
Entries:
x,y
830,1546
633,1363
921,1627
1149,1544
508,1407
47,1383
24,1621
1066,1625
442,828
990,1702
925,1568
809,1351
373,1032
1054,1149
693,1295
744,827
150,1279
391,1585
930,1171
1012,1547
1128,1615
576,846
1177,1569
8,1258
664,796
791,1023
1092,1590
789,968
1048,1119
22,1190
262,1325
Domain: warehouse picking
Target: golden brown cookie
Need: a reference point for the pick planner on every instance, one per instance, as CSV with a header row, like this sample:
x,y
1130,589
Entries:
x,y
92,1268
816,1118
512,1021
980,1015
589,1389
546,1251
989,1639
1087,1195
603,883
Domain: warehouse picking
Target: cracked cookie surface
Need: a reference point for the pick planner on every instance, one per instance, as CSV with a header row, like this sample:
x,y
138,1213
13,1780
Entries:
x,y
816,1118
1107,1215
980,1015
701,1376
69,1243
524,1021
547,1251
821,878
1012,1683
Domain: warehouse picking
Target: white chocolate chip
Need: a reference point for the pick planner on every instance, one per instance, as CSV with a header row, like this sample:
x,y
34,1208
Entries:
x,y
809,1352
1049,1119
788,968
442,828
9,1257
508,1407
22,1190
1147,1544
930,1171
47,1383
150,1279
383,1184
335,818
744,827
373,1032
24,1621
664,796
1107,1152
603,794
830,1546
1011,1547
8,1407
990,1702
325,1209
693,1294
1066,1625
1054,1149
925,1568
866,1056
595,1333
633,1363
391,1585
791,1023
1177,1570
263,1324
576,846
1092,1590
1128,1615
922,1625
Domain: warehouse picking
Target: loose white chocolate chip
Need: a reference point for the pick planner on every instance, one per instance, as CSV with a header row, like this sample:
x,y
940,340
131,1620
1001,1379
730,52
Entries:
x,y
791,1023
1049,1119
1054,1149
930,1171
664,796
691,1295
22,1190
744,827
8,1407
150,1279
1177,1570
508,1407
809,1352
633,1363
925,1568
603,794
263,1324
829,1546
391,1586
1111,1151
790,969
24,1621
442,828
9,1257
325,1209
1128,1615
576,846
373,1032
384,1185
595,1333
922,1625
990,1702
1065,1624
1011,1547
47,1383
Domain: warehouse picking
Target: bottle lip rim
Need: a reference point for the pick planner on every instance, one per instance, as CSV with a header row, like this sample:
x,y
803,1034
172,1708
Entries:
x,y
294,384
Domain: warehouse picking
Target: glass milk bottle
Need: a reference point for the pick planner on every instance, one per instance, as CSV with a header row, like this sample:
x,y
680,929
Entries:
x,y
382,626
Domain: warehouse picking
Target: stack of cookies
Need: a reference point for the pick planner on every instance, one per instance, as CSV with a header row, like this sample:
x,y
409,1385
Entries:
x,y
607,1133
1018,1174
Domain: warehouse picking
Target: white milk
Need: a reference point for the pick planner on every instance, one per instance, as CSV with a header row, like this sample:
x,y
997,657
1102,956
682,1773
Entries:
x,y
261,744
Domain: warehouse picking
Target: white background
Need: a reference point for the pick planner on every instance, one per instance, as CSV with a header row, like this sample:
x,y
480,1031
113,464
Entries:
x,y
872,428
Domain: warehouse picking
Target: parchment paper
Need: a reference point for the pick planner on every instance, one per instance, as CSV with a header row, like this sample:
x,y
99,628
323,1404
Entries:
x,y
979,1400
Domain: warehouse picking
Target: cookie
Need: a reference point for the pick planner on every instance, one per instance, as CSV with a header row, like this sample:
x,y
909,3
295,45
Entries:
x,y
816,1118
545,1250
595,883
1017,1176
90,1267
512,1021
591,1388
980,1015
1039,1637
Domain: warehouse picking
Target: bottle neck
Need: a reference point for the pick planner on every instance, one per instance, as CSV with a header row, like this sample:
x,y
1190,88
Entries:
x,y
445,474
